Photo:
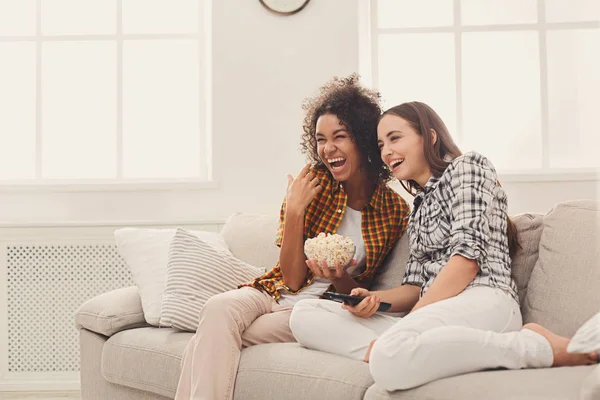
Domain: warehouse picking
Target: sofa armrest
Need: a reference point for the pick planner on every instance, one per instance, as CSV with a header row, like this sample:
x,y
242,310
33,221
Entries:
x,y
112,312
591,385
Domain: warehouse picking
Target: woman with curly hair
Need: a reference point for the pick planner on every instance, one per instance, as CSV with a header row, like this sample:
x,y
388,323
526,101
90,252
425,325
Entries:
x,y
342,190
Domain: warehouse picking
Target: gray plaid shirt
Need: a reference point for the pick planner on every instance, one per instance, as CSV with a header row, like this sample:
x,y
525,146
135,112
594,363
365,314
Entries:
x,y
461,212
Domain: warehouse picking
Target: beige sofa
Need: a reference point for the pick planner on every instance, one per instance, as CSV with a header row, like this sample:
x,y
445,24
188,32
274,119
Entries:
x,y
557,272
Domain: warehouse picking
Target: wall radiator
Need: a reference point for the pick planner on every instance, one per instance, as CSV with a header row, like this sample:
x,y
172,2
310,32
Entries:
x,y
46,273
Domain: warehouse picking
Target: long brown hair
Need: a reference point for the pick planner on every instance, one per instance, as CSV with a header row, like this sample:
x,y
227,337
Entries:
x,y
423,119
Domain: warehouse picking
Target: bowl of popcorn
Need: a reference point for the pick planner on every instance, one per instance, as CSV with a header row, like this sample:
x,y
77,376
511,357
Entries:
x,y
330,248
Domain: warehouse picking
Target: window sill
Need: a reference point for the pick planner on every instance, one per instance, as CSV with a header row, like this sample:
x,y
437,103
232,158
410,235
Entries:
x,y
579,175
158,224
106,186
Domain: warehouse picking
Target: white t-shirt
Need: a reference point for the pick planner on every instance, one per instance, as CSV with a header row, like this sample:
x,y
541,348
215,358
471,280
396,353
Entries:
x,y
350,226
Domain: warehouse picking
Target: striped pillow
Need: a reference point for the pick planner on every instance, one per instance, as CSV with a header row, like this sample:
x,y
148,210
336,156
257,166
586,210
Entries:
x,y
197,271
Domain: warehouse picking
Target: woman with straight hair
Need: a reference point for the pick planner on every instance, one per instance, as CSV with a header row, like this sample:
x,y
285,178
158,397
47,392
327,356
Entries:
x,y
463,309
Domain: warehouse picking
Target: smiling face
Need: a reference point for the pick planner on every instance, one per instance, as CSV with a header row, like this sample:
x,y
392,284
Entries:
x,y
337,150
402,149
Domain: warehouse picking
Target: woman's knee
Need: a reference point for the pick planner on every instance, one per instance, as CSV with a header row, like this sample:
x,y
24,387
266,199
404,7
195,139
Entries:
x,y
222,305
392,364
300,318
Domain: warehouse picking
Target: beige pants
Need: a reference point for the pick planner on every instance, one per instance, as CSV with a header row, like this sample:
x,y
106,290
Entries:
x,y
228,321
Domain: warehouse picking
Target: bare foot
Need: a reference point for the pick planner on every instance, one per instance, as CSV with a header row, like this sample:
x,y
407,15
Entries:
x,y
559,348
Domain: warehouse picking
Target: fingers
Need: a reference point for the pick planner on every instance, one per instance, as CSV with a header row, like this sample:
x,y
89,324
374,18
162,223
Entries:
x,y
302,189
371,306
311,265
311,180
365,308
357,309
307,178
307,174
316,189
375,302
358,291
364,305
325,271
304,170
314,267
339,270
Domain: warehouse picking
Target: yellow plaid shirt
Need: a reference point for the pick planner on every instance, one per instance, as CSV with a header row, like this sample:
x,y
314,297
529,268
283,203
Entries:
x,y
384,220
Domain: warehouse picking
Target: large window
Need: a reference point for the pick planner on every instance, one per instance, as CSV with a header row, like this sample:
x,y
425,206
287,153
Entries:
x,y
103,91
517,80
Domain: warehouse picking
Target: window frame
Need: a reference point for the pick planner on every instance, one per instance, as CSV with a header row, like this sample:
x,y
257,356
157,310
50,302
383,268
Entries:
x,y
206,179
368,67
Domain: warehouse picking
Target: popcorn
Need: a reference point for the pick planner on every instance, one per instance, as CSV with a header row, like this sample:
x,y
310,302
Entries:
x,y
330,248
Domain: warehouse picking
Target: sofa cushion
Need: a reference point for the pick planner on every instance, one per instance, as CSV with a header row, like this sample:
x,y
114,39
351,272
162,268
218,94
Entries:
x,y
390,274
146,250
289,371
547,384
145,358
93,384
529,230
590,390
197,271
111,312
251,238
563,289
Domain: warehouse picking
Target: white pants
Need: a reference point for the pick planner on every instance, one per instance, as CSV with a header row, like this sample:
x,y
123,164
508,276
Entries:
x,y
476,330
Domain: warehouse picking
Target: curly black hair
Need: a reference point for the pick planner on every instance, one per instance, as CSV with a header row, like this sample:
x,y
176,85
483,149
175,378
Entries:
x,y
358,109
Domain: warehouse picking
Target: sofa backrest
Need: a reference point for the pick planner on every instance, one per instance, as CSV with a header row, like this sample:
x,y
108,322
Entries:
x,y
251,238
529,230
391,273
564,288
557,269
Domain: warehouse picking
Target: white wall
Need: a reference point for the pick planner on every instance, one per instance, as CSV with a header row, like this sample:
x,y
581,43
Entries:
x,y
541,196
538,197
263,67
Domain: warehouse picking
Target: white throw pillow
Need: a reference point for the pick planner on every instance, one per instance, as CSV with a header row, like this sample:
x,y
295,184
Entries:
x,y
196,271
146,252
587,338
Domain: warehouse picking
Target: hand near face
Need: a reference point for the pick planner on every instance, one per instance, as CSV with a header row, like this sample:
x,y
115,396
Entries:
x,y
301,190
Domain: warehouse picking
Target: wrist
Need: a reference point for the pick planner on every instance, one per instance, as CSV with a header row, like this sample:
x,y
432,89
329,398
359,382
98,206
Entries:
x,y
294,214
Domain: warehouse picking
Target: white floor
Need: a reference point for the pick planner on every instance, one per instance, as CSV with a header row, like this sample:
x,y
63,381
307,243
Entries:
x,y
40,395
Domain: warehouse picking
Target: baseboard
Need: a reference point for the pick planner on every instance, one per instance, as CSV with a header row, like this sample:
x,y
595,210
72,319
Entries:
x,y
39,385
